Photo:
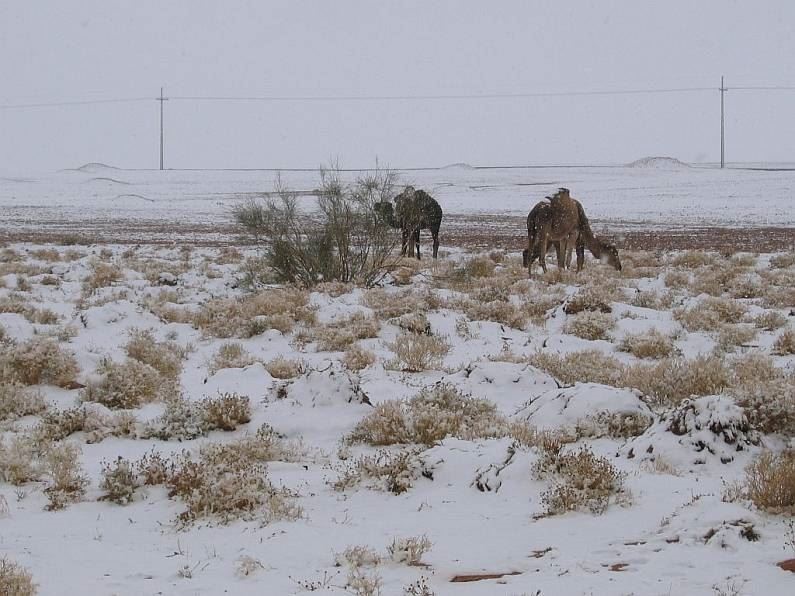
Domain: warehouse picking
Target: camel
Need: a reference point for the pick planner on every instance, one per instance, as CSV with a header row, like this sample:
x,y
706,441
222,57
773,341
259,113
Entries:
x,y
562,221
414,210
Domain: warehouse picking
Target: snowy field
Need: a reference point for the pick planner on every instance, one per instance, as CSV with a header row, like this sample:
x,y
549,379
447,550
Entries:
x,y
545,441
109,204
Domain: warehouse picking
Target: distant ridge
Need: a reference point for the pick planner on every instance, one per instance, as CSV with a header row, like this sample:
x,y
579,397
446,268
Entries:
x,y
659,163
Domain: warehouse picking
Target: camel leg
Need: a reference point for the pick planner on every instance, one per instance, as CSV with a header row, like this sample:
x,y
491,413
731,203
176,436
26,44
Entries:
x,y
580,255
404,244
416,238
560,253
527,255
541,251
435,243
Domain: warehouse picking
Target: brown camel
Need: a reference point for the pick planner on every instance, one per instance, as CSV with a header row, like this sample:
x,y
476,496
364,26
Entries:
x,y
562,220
414,210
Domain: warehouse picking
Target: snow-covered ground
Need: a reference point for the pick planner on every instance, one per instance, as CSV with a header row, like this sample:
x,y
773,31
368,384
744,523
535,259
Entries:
x,y
478,502
666,193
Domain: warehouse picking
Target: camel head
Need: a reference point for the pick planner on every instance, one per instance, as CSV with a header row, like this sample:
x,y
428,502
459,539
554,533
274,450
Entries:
x,y
386,211
563,193
610,253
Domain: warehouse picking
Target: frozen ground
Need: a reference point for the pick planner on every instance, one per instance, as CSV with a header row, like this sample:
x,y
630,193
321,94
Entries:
x,y
478,501
113,205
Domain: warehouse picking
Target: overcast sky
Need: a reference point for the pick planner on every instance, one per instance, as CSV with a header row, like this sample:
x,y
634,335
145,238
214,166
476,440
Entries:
x,y
51,50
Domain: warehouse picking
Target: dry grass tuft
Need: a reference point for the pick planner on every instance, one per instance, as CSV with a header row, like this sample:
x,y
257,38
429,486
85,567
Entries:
x,y
17,401
590,325
230,355
709,313
38,361
649,344
591,298
255,313
417,353
587,366
770,481
770,320
765,392
653,299
732,336
393,471
358,358
67,481
693,259
783,261
226,411
284,368
390,304
677,279
15,580
340,334
102,275
165,357
785,343
581,481
57,425
128,385
429,417
119,481
18,460
673,379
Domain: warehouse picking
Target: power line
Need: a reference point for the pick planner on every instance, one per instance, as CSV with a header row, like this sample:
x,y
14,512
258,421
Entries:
x,y
85,102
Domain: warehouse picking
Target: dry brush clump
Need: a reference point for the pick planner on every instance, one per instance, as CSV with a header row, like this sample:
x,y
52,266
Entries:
x,y
358,358
653,299
590,325
770,481
338,335
254,314
128,385
708,314
164,356
56,425
230,355
37,361
671,380
183,420
580,479
591,298
101,275
391,304
417,353
17,401
16,580
394,471
785,343
119,481
17,303
783,261
586,366
770,320
765,392
19,460
648,344
693,259
430,416
285,368
66,479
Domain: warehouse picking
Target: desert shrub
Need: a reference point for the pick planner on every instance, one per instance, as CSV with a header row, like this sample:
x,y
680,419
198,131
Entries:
x,y
428,417
357,358
648,344
731,336
479,267
17,401
676,279
779,298
285,368
181,420
782,261
18,460
152,469
709,313
228,482
785,343
581,481
165,357
414,323
67,481
338,335
770,320
360,583
416,353
38,361
119,481
392,471
409,551
128,385
746,286
230,355
590,325
673,379
586,366
653,299
390,304
693,259
770,481
592,298
15,580
226,411
56,425
101,276
46,254
765,392
349,240
252,314
498,311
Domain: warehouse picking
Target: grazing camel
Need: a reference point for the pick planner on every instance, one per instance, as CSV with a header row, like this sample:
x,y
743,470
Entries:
x,y
562,220
414,210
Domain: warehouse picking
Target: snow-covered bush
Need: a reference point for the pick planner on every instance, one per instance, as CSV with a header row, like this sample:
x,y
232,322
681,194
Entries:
x,y
338,335
67,480
590,325
101,275
119,481
16,580
165,357
357,358
230,355
416,353
709,313
770,481
226,411
17,401
671,380
648,344
38,361
770,320
409,550
586,366
284,368
591,298
392,471
127,385
785,343
18,460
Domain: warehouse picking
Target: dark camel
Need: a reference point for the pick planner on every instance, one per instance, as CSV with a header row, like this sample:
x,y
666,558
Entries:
x,y
414,210
562,221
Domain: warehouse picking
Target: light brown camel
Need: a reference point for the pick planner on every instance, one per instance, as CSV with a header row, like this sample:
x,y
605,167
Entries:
x,y
562,220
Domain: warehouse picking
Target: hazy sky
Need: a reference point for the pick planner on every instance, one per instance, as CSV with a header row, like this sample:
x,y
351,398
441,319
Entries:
x,y
51,50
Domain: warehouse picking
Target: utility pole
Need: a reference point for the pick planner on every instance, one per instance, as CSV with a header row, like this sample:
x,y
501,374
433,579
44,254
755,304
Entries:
x,y
722,132
161,99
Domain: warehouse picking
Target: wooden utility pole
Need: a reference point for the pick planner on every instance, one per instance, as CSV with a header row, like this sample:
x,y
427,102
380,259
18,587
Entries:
x,y
722,127
161,99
